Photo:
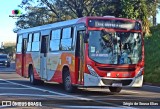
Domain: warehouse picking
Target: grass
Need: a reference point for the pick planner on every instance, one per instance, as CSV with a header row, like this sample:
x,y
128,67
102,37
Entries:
x,y
152,56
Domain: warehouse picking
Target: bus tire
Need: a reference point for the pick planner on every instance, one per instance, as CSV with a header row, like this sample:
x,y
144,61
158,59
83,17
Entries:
x,y
67,82
115,89
31,75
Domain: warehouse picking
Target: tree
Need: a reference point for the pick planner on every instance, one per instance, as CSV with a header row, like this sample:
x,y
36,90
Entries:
x,y
36,16
8,48
48,11
73,8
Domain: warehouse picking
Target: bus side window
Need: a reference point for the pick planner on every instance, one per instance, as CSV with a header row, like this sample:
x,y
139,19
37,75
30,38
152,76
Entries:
x,y
36,42
29,46
55,40
66,41
19,43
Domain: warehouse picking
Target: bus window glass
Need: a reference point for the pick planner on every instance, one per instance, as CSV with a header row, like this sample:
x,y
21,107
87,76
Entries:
x,y
35,43
66,33
29,42
74,37
30,38
55,40
115,48
54,45
66,44
36,37
66,41
56,34
35,46
19,39
29,47
19,47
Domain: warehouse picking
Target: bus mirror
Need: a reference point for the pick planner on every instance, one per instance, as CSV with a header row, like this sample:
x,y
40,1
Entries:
x,y
86,38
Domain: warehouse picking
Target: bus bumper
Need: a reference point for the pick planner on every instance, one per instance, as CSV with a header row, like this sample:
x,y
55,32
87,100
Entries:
x,y
90,80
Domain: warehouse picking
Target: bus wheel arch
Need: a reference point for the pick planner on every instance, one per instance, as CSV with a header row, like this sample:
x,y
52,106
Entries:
x,y
66,79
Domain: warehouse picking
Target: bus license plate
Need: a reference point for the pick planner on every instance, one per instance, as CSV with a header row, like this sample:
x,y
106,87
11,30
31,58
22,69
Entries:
x,y
116,84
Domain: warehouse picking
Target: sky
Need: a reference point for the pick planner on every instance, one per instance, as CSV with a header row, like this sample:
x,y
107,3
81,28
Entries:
x,y
7,24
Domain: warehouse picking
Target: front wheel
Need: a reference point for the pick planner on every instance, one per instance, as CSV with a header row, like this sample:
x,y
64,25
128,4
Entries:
x,y
115,89
67,82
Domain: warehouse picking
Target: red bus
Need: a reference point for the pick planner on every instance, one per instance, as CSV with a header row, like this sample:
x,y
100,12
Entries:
x,y
87,52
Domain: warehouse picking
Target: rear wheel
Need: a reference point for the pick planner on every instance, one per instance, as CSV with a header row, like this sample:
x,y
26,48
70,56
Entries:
x,y
67,82
115,89
32,78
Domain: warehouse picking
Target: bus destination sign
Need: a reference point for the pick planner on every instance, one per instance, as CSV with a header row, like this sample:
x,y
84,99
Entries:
x,y
117,24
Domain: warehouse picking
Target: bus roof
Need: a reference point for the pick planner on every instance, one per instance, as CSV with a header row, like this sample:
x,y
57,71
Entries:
x,y
65,23
49,26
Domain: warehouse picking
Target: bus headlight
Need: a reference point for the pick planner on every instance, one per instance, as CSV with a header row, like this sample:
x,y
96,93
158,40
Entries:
x,y
139,73
92,71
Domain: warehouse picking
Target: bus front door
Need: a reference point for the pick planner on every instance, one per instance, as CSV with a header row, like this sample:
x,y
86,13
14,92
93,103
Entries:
x,y
43,57
24,48
80,54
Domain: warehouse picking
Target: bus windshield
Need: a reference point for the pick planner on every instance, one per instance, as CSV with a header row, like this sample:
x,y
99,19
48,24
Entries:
x,y
115,47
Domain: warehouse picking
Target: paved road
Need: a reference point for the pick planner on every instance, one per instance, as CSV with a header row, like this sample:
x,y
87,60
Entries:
x,y
20,93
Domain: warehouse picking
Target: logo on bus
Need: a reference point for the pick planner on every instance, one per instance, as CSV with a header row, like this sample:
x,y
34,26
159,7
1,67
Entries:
x,y
117,75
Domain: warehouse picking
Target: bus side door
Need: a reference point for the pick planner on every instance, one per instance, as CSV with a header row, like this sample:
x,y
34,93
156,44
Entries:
x,y
43,56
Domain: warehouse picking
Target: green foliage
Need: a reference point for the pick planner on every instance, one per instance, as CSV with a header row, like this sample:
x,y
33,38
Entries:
x,y
36,16
152,56
48,11
128,9
155,30
9,48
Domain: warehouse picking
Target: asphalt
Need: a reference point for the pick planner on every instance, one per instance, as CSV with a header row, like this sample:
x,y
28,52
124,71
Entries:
x,y
17,92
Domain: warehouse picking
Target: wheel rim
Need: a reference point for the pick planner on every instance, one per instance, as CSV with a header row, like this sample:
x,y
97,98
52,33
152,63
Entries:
x,y
68,83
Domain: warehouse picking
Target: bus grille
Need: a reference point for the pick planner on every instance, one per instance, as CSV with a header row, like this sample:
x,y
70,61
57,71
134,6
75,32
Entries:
x,y
116,69
109,81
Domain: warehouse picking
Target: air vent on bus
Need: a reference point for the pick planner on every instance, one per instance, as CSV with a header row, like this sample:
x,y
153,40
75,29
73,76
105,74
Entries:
x,y
110,82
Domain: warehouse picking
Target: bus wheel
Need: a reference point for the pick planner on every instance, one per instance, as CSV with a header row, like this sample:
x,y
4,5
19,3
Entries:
x,y
67,82
32,79
115,89
31,75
